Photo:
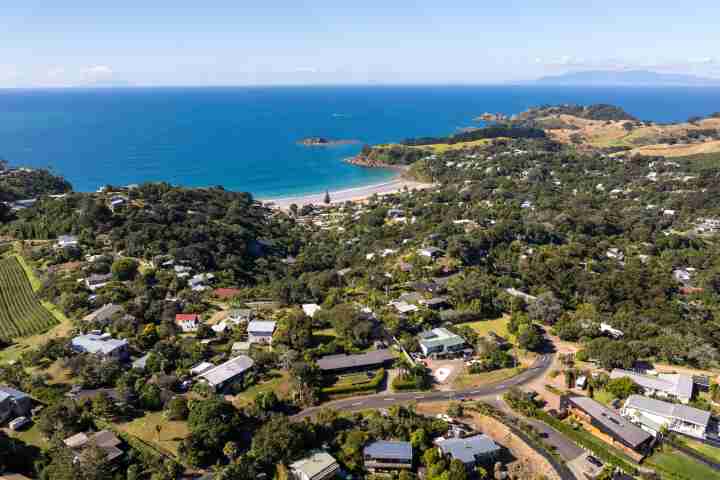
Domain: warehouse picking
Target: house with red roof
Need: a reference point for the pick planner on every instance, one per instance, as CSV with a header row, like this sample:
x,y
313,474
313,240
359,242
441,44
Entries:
x,y
187,322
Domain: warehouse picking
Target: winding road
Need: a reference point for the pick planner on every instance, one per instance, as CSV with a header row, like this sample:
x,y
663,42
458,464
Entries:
x,y
382,400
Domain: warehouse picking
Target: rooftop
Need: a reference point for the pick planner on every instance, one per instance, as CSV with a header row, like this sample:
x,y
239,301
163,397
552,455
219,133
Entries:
x,y
678,385
315,465
620,427
440,336
228,370
261,326
668,410
389,450
367,359
93,343
468,449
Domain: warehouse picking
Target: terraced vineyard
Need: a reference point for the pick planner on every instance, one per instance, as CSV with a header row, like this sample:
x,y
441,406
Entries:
x,y
21,313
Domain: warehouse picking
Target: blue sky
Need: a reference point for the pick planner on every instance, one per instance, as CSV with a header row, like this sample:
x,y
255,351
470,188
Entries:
x,y
236,42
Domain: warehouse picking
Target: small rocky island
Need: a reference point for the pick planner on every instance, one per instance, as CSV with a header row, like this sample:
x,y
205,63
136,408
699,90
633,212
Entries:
x,y
325,142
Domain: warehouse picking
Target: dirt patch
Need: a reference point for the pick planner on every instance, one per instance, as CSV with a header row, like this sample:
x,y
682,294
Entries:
x,y
445,372
527,464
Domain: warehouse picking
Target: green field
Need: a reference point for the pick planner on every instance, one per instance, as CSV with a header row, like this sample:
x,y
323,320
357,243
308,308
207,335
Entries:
x,y
21,313
674,465
483,327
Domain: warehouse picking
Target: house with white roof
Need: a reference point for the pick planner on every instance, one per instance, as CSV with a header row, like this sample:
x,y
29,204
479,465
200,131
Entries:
x,y
64,241
261,331
668,385
613,332
440,341
311,309
652,415
318,466
222,377
103,345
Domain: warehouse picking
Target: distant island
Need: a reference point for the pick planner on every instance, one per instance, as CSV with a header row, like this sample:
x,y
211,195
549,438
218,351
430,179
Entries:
x,y
627,78
325,142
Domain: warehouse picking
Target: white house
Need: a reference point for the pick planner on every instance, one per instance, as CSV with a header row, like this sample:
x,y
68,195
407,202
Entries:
x,y
668,385
187,322
318,466
311,309
613,332
66,241
261,331
651,415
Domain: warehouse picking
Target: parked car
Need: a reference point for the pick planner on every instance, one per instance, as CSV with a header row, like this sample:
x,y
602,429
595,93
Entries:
x,y
594,461
19,423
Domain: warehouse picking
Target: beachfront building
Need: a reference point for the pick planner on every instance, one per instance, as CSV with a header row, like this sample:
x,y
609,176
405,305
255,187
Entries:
x,y
103,345
383,456
471,451
225,375
651,415
668,385
261,331
440,342
317,466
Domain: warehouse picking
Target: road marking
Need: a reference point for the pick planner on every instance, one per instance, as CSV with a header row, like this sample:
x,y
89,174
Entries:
x,y
356,404
389,399
502,386
420,397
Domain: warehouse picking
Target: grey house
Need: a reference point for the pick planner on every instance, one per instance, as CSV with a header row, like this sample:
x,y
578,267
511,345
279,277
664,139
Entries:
x,y
471,451
13,403
384,456
103,345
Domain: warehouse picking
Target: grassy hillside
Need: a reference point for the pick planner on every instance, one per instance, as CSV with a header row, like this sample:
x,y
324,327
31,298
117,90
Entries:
x,y
21,313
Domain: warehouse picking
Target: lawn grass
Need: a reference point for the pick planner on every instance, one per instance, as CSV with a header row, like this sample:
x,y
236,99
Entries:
x,y
31,436
483,327
468,380
603,396
675,465
13,352
279,383
713,453
172,433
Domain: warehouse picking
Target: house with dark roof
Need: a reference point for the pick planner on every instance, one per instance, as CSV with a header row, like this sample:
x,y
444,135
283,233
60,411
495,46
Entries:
x,y
104,439
608,425
652,415
13,404
382,456
363,361
471,451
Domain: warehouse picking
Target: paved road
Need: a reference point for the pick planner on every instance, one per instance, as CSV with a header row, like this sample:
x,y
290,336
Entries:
x,y
538,369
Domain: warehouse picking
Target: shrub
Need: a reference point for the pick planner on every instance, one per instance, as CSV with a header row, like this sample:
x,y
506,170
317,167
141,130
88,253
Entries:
x,y
373,384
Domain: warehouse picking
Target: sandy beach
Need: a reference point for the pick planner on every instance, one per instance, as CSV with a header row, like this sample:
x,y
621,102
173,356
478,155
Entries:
x,y
348,195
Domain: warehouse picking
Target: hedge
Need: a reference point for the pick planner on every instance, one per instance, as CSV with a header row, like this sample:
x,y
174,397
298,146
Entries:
x,y
405,384
373,384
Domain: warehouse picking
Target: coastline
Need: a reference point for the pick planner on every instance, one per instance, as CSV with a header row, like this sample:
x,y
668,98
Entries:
x,y
355,194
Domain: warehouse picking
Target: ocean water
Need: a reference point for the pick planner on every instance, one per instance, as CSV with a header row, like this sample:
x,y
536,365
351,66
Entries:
x,y
244,138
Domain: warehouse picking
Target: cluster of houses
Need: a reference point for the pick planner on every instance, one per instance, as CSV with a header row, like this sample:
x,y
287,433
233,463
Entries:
x,y
639,423
387,457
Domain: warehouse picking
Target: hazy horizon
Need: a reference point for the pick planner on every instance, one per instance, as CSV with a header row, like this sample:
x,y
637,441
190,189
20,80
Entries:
x,y
221,43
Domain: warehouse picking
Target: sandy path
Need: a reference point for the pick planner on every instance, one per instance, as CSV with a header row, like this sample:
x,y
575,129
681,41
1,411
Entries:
x,y
350,194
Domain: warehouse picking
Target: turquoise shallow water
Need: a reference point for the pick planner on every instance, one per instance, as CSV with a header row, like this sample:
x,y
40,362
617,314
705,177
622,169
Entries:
x,y
245,138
